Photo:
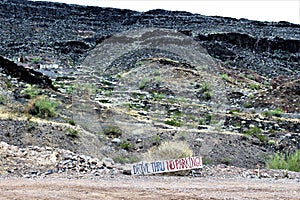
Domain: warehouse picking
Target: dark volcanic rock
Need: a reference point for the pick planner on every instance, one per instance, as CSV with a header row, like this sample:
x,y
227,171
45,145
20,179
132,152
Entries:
x,y
24,74
70,31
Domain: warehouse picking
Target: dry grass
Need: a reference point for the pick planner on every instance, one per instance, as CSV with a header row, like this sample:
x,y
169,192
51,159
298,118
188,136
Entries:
x,y
169,150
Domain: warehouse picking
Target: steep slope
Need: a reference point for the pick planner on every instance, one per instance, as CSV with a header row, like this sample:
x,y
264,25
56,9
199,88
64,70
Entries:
x,y
231,90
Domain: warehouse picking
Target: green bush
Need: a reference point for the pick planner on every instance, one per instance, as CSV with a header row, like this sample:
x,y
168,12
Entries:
x,y
112,131
72,133
254,86
72,122
206,160
126,145
126,159
247,105
201,121
157,139
36,60
143,83
42,107
205,91
276,112
288,162
3,99
225,77
169,150
208,118
257,132
30,92
158,96
173,122
226,161
205,87
9,84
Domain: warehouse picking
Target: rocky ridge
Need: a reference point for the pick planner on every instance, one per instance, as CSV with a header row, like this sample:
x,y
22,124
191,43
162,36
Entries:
x,y
66,33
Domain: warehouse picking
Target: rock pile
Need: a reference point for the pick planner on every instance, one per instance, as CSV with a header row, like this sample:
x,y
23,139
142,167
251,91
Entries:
x,y
35,161
74,163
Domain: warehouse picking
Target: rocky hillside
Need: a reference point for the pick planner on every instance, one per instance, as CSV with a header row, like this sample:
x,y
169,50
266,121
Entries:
x,y
116,83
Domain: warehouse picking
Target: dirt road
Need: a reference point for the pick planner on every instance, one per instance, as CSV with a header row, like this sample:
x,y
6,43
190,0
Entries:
x,y
126,187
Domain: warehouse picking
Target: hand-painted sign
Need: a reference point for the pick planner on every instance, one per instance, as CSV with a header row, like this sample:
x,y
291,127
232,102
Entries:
x,y
166,166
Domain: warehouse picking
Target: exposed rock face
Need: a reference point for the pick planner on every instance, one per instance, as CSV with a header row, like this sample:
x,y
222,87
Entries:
x,y
24,74
69,32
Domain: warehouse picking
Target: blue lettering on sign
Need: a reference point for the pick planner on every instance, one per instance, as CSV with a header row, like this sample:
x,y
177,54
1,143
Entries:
x,y
158,166
142,168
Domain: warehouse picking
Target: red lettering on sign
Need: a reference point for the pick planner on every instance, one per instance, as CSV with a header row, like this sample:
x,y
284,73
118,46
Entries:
x,y
171,165
183,164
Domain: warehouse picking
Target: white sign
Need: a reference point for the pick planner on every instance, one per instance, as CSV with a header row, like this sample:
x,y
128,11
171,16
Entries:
x,y
166,166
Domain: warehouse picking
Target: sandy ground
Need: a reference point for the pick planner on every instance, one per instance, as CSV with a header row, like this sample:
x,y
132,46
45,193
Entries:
x,y
158,187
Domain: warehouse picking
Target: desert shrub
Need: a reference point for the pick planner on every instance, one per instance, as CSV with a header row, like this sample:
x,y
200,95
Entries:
x,y
247,105
112,131
234,111
253,131
72,133
207,95
9,84
169,150
226,161
254,86
173,122
143,83
30,92
42,106
36,60
126,159
225,77
206,160
126,145
201,121
276,112
257,132
3,99
282,161
157,139
139,63
205,87
250,76
205,91
206,120
158,96
71,122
